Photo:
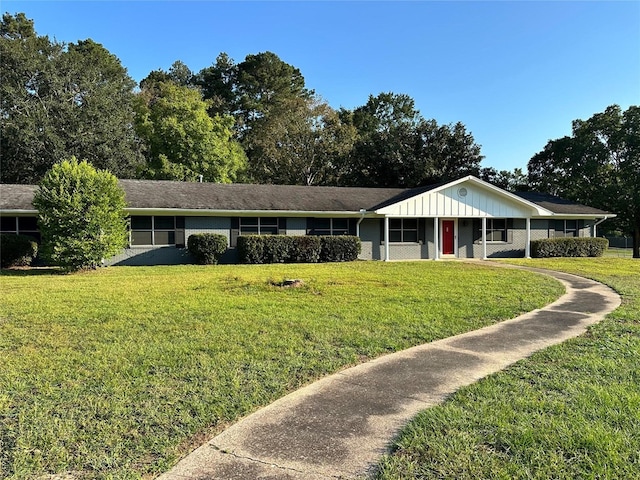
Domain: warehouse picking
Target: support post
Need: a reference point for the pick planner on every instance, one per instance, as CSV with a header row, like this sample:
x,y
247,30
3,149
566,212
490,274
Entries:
x,y
527,247
386,239
436,238
484,238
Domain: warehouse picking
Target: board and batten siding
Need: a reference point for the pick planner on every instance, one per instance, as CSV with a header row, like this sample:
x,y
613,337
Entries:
x,y
477,202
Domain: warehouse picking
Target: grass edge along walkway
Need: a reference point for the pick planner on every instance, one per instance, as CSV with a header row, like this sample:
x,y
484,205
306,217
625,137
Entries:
x,y
570,411
337,427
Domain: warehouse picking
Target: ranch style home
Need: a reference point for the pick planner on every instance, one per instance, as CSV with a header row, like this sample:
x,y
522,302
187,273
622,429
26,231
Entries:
x,y
466,218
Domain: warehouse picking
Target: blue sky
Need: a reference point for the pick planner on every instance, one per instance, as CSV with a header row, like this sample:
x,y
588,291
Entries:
x,y
516,73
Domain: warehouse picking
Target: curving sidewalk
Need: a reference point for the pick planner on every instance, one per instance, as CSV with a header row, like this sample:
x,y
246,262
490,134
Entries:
x,y
339,426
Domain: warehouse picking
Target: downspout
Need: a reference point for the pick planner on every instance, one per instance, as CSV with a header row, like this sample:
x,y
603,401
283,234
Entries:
x,y
595,226
363,211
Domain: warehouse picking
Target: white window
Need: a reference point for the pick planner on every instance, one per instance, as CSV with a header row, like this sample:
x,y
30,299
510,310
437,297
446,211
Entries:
x,y
496,230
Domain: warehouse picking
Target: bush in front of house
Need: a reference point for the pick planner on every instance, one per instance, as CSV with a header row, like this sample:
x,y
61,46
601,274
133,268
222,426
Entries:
x,y
343,248
207,248
80,215
569,247
17,250
258,249
251,249
305,249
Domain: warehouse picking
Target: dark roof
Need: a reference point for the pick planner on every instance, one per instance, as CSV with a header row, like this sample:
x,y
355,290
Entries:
x,y
16,197
238,196
559,205
167,194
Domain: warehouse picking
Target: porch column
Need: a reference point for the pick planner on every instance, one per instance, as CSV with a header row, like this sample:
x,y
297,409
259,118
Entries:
x,y
436,238
386,239
527,246
484,238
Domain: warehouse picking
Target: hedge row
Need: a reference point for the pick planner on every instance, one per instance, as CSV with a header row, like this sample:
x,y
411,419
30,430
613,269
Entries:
x,y
207,248
17,250
569,247
297,249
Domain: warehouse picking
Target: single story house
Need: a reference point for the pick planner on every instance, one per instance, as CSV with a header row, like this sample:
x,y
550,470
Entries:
x,y
465,218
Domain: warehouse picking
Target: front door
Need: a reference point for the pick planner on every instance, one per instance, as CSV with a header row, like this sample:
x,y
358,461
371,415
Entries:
x,y
448,237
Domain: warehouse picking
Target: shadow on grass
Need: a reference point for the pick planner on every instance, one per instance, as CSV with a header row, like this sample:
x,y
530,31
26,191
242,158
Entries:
x,y
31,271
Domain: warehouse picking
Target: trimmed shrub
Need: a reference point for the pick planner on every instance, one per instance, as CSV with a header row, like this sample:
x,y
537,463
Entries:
x,y
305,249
207,248
277,248
569,247
343,248
288,249
17,250
80,215
251,249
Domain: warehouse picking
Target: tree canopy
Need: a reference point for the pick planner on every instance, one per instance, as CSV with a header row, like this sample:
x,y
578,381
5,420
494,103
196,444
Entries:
x,y
184,142
253,121
397,147
598,165
60,100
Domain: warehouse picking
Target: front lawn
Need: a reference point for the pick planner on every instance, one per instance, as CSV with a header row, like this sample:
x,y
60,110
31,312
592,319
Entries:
x,y
570,411
118,372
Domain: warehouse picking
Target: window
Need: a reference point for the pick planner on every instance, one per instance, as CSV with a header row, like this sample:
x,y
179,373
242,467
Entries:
x,y
330,226
258,226
157,230
403,230
20,225
496,230
570,228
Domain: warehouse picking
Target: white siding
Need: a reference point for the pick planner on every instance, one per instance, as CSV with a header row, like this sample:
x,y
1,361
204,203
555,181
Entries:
x,y
478,202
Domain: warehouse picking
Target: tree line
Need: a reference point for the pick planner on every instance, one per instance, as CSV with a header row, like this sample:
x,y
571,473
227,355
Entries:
x,y
256,121
253,121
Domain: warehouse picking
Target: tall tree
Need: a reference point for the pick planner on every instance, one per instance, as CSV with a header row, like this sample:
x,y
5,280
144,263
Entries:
x,y
301,145
183,141
599,165
397,147
54,99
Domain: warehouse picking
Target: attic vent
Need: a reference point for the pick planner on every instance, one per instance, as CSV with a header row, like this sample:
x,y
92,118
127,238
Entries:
x,y
462,192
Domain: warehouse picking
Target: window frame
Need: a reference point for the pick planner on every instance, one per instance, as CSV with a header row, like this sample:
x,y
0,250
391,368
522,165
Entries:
x,y
16,230
173,233
404,230
261,226
332,230
492,230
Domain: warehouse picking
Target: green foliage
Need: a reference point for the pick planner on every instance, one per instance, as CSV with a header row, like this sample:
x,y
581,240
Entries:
x,y
297,249
598,165
81,215
59,100
183,140
117,372
397,147
207,248
17,250
305,249
342,248
569,247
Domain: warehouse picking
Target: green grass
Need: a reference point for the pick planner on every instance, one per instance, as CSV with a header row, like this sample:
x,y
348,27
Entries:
x,y
118,372
571,411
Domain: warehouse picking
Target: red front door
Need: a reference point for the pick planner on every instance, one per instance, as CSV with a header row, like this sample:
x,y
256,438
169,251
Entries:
x,y
448,237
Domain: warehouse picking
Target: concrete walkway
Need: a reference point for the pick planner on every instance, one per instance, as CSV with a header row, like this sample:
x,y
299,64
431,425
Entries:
x,y
339,426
